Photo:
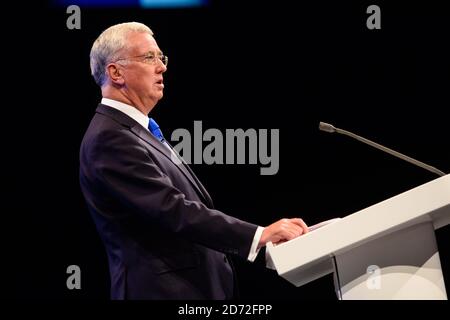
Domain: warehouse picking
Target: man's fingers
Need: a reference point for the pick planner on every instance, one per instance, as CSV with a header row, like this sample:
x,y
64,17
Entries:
x,y
288,234
297,230
291,232
286,229
301,224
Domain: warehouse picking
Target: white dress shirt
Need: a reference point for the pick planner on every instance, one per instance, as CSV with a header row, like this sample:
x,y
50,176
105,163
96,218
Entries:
x,y
143,120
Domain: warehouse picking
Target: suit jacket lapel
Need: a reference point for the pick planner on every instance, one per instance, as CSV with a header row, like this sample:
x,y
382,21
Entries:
x,y
149,138
198,183
205,193
145,135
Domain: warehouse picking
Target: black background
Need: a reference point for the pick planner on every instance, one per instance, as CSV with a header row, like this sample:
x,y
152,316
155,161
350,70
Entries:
x,y
232,65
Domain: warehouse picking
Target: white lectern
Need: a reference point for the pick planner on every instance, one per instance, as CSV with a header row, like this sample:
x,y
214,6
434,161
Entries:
x,y
386,251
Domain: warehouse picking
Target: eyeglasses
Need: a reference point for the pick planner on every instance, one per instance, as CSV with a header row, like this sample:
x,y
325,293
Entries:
x,y
149,58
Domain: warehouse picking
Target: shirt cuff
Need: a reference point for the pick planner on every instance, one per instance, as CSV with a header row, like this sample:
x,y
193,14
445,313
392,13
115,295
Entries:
x,y
253,249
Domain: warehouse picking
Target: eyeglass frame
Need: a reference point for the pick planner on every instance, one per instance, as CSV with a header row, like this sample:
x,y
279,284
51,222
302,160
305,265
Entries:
x,y
161,57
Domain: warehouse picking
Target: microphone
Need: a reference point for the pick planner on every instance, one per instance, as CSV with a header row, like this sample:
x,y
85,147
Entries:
x,y
331,129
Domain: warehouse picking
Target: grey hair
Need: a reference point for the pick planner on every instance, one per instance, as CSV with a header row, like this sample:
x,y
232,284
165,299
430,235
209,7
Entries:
x,y
109,44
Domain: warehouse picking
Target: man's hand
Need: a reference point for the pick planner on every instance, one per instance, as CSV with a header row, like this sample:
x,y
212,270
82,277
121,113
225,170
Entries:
x,y
283,230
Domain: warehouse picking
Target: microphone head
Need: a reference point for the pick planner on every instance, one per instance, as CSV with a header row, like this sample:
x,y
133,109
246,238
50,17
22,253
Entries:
x,y
326,127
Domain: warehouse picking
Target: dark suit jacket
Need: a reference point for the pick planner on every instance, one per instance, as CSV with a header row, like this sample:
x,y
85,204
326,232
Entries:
x,y
163,238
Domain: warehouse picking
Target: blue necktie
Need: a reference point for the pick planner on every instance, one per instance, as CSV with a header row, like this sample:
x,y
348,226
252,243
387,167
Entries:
x,y
154,129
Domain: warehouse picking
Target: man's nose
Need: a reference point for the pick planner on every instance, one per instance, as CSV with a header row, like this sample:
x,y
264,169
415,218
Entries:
x,y
161,67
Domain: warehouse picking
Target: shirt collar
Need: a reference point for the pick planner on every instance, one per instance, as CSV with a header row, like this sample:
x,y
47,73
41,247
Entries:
x,y
130,111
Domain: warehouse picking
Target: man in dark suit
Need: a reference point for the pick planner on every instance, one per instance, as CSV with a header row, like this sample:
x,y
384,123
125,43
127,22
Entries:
x,y
163,238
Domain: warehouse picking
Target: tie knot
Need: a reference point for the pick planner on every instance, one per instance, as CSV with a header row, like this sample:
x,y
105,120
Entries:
x,y
154,129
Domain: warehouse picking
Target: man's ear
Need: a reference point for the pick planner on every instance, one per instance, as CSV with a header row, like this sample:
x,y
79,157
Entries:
x,y
115,74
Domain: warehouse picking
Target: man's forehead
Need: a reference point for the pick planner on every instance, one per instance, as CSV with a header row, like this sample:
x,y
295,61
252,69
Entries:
x,y
142,42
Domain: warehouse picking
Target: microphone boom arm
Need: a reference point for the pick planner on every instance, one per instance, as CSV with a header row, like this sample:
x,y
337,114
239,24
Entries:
x,y
330,128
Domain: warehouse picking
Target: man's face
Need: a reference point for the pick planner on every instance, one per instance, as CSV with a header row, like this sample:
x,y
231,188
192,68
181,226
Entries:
x,y
143,76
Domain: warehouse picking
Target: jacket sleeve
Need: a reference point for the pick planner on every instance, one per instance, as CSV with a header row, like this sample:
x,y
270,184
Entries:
x,y
122,166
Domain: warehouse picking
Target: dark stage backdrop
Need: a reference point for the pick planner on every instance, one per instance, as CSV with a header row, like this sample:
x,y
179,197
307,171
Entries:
x,y
259,65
